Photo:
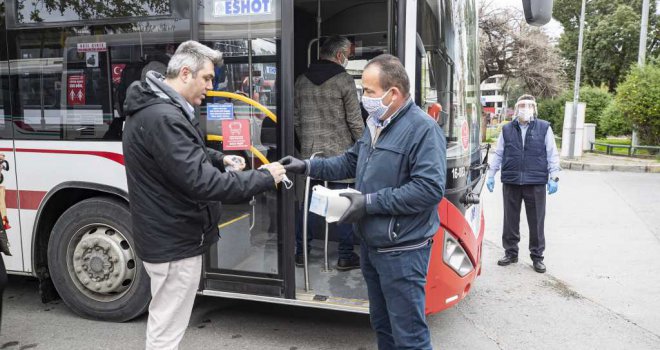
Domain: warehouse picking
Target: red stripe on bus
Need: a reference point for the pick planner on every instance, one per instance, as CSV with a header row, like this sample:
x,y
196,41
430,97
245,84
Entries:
x,y
119,158
29,200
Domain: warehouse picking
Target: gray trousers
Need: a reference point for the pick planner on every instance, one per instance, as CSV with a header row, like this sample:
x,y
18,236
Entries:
x,y
173,289
534,197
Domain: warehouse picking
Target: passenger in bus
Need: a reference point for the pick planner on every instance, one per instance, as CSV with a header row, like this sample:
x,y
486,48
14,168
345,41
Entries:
x,y
327,119
176,185
527,154
400,168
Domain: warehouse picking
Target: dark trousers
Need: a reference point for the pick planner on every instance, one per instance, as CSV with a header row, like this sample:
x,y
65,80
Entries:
x,y
344,231
534,197
397,299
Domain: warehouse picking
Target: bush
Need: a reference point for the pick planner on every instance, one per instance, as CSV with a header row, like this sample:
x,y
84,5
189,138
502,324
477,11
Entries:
x,y
597,99
552,110
638,98
613,123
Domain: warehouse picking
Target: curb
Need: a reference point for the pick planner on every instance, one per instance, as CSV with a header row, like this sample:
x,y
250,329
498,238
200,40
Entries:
x,y
580,166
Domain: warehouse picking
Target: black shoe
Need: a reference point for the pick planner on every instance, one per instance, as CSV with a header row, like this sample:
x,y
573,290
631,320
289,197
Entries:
x,y
507,259
539,266
349,264
300,261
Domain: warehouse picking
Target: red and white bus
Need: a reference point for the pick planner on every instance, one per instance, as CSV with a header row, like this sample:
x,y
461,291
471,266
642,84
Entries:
x,y
64,70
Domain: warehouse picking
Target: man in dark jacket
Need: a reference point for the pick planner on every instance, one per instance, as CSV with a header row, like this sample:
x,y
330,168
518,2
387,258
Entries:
x,y
175,184
327,119
399,165
527,154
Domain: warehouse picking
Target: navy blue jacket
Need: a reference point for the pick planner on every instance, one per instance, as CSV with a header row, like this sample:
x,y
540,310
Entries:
x,y
403,176
526,165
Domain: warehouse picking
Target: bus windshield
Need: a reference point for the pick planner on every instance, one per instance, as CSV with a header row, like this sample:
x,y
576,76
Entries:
x,y
449,75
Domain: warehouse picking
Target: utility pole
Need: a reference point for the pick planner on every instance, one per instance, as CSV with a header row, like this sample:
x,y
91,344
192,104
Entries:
x,y
641,58
576,93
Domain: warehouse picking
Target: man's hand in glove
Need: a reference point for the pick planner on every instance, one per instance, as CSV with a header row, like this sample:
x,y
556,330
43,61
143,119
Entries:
x,y
293,165
356,210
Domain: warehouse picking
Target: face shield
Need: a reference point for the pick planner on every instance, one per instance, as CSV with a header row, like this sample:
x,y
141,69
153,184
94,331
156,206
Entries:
x,y
525,110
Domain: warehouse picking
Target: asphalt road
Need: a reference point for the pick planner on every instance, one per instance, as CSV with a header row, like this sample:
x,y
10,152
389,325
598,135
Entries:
x,y
600,291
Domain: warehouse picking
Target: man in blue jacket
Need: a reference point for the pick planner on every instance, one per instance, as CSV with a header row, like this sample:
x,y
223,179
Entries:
x,y
399,165
527,154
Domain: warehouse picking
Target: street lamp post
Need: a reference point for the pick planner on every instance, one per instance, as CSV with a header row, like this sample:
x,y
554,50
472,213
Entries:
x,y
641,58
576,93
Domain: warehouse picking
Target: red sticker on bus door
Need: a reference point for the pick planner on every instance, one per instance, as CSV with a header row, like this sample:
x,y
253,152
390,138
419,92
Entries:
x,y
236,135
465,135
75,91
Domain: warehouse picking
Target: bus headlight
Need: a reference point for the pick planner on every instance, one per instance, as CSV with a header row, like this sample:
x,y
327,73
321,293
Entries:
x,y
455,256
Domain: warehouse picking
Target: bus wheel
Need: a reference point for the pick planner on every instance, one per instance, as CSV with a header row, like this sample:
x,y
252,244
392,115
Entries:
x,y
93,264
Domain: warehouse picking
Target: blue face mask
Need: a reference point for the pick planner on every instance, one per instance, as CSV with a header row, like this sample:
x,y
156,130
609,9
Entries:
x,y
374,105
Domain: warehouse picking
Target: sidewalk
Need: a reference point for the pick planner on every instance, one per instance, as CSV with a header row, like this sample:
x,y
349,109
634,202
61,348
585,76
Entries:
x,y
602,162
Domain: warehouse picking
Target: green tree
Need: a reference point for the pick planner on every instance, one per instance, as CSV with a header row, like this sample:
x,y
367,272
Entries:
x,y
552,110
638,98
611,38
613,123
36,10
597,100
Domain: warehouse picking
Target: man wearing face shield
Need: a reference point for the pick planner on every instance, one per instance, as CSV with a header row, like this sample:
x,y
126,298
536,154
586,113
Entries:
x,y
399,165
327,119
527,155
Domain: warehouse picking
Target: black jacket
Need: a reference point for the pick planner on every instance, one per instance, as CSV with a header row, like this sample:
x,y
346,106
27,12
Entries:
x,y
175,182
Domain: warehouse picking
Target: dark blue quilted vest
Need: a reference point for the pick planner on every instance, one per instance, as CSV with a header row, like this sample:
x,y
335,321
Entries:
x,y
528,166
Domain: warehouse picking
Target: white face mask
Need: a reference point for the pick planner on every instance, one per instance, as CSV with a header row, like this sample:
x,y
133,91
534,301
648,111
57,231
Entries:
x,y
375,106
526,114
344,63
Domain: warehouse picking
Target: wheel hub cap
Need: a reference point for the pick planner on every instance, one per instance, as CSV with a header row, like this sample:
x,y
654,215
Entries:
x,y
103,261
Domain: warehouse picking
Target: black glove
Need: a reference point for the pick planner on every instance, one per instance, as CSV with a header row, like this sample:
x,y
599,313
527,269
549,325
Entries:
x,y
293,165
356,210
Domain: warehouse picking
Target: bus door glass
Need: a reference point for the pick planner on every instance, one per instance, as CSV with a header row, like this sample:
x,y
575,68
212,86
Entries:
x,y
248,35
13,229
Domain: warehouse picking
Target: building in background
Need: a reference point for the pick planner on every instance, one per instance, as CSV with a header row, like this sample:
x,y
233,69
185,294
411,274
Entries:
x,y
493,98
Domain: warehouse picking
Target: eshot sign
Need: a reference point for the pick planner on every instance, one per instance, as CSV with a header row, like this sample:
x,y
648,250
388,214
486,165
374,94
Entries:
x,y
223,8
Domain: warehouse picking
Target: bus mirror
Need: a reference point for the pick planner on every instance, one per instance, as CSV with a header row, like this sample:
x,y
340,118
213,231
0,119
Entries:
x,y
537,12
434,111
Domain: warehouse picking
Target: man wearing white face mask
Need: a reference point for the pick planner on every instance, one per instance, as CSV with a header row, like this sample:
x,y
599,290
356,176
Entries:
x,y
327,119
528,157
399,165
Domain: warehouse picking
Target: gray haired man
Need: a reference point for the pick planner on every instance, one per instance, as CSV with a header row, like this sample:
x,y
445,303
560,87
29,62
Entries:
x,y
327,119
176,184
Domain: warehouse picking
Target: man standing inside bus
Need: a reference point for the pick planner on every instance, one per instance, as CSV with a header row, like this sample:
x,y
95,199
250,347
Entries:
x,y
400,166
175,185
527,154
328,119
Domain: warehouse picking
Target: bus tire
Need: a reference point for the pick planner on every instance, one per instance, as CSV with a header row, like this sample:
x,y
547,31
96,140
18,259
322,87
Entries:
x,y
93,263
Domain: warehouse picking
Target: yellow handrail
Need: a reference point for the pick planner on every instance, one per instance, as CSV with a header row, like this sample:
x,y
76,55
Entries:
x,y
258,153
247,100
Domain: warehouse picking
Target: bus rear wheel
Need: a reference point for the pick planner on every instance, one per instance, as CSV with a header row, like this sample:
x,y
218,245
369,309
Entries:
x,y
93,264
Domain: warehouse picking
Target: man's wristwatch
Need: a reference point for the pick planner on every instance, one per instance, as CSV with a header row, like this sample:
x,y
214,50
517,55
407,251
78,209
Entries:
x,y
555,179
